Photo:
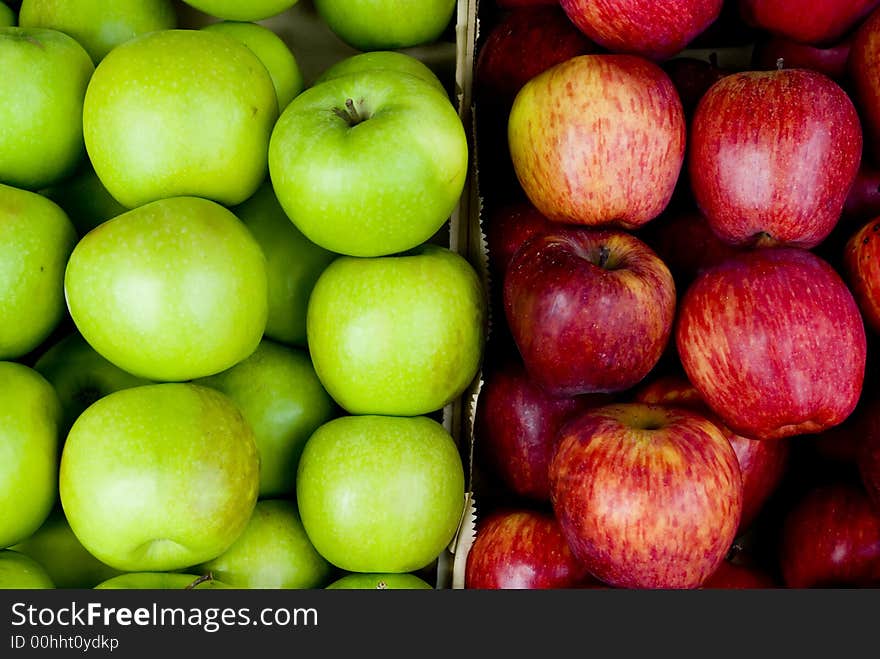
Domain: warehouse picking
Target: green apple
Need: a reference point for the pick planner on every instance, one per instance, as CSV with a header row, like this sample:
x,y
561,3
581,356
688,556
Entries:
x,y
45,75
159,581
391,60
293,264
273,52
387,581
369,163
283,400
236,10
7,16
398,335
18,571
170,291
30,414
380,493
386,24
66,561
159,477
81,376
273,552
99,25
85,199
204,107
36,239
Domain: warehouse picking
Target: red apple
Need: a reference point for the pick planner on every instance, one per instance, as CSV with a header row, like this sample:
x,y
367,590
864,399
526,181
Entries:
x,y
516,424
656,30
806,21
771,52
772,156
647,496
863,201
831,538
692,78
686,244
762,463
732,576
864,74
523,43
521,549
774,342
590,310
861,259
598,140
508,225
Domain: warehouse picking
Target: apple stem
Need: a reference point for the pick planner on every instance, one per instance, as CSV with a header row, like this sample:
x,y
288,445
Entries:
x,y
604,255
202,579
779,64
350,113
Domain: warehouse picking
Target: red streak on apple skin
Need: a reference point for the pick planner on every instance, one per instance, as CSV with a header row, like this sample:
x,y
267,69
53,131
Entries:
x,y
521,549
762,463
831,538
775,153
652,29
774,342
807,21
861,259
598,140
582,328
642,507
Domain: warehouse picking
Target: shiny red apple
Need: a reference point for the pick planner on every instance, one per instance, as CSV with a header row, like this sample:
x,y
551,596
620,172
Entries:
x,y
772,156
861,260
651,29
864,74
762,463
806,21
598,140
590,310
647,496
774,342
521,549
831,538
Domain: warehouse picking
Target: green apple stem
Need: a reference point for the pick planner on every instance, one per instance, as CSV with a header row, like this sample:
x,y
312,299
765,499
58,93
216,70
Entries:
x,y
350,113
202,579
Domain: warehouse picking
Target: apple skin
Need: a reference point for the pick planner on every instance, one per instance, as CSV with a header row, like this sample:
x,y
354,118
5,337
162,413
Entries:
x,y
590,310
862,269
508,226
19,572
283,401
515,427
272,552
81,376
204,105
863,201
641,27
523,43
646,496
762,464
30,415
373,581
235,10
68,564
376,179
732,576
400,335
159,477
97,25
273,52
46,76
380,493
7,16
36,240
293,264
521,549
392,60
774,342
143,301
830,60
831,538
772,156
598,139
386,24
85,199
806,21
159,581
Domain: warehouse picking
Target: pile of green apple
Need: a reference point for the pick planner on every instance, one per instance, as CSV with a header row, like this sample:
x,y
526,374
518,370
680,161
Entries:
x,y
229,327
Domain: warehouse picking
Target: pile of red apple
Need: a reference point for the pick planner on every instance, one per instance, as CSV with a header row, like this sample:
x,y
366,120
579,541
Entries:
x,y
680,203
